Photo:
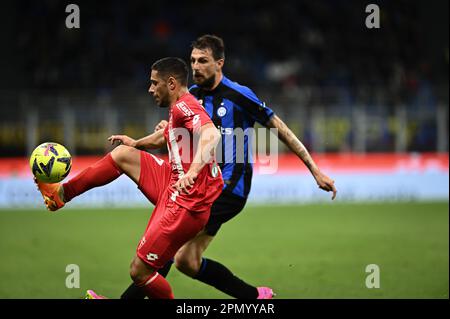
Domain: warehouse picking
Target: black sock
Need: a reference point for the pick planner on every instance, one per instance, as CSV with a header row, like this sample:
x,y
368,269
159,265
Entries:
x,y
220,277
165,270
134,292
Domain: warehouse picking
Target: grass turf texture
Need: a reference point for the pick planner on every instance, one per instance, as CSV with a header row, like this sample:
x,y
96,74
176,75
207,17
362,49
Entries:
x,y
308,251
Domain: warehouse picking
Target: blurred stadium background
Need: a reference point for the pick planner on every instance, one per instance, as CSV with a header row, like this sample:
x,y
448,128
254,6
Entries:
x,y
370,104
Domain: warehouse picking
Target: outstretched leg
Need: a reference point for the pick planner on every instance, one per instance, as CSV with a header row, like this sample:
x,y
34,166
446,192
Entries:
x,y
123,159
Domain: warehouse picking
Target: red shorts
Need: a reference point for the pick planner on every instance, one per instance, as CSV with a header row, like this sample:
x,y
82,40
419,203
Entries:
x,y
154,177
170,225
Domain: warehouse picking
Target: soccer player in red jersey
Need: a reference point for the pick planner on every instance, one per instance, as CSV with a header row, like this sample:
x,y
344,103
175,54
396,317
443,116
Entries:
x,y
231,106
182,190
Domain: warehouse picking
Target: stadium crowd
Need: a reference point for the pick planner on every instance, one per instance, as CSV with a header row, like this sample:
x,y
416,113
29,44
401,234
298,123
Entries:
x,y
321,49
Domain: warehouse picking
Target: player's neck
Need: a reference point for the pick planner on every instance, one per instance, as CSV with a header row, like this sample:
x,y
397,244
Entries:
x,y
217,81
178,95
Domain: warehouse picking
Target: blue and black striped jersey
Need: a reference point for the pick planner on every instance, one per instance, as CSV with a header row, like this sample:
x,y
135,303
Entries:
x,y
232,106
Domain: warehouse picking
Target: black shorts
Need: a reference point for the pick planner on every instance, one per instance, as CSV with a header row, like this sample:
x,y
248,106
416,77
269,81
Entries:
x,y
226,206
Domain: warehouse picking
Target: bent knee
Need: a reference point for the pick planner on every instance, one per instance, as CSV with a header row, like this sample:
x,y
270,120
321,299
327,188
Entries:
x,y
188,264
135,273
139,272
122,151
123,154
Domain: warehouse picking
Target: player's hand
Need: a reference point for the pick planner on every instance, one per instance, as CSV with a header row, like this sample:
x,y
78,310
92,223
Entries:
x,y
326,183
122,139
161,125
185,183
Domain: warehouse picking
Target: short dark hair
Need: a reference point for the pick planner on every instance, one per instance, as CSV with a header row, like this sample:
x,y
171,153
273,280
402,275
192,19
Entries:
x,y
172,66
212,42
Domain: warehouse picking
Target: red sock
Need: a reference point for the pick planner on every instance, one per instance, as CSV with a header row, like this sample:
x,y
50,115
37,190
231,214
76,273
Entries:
x,y
99,174
156,287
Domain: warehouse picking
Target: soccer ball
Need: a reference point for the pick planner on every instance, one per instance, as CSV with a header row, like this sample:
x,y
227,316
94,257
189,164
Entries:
x,y
50,162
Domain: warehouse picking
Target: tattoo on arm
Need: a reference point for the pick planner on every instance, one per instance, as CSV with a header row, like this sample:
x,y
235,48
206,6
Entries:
x,y
291,141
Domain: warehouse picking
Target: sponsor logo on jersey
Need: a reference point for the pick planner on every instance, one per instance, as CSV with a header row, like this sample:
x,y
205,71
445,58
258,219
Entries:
x,y
183,107
225,130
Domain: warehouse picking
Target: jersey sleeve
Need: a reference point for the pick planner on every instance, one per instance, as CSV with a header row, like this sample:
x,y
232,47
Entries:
x,y
254,107
191,116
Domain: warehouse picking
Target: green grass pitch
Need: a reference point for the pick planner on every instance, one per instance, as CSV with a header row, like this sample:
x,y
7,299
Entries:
x,y
307,251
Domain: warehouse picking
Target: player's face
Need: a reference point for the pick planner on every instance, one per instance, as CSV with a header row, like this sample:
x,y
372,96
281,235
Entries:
x,y
204,67
158,88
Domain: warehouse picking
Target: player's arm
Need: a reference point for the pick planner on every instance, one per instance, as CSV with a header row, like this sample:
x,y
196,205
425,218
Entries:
x,y
161,125
208,138
294,144
152,141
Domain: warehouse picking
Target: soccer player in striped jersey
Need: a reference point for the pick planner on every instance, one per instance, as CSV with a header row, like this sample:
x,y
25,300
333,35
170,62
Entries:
x,y
230,106
182,189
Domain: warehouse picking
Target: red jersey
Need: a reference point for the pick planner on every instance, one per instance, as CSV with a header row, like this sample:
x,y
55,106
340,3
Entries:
x,y
185,119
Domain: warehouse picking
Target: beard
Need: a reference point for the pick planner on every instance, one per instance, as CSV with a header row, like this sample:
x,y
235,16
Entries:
x,y
205,83
164,102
